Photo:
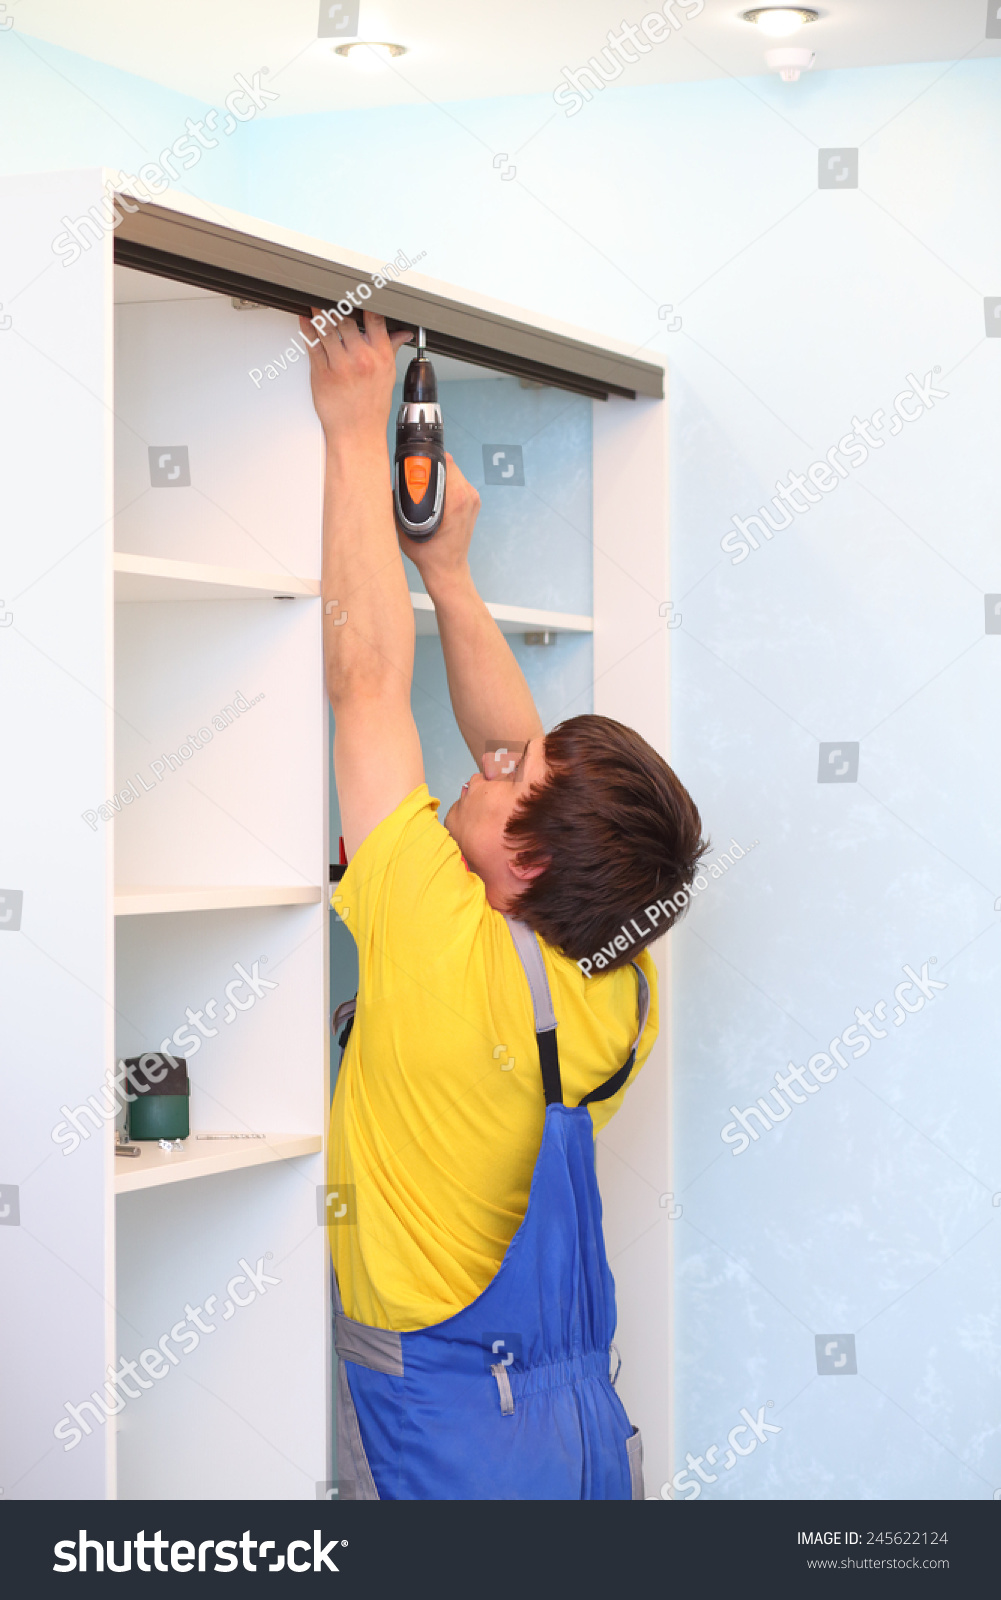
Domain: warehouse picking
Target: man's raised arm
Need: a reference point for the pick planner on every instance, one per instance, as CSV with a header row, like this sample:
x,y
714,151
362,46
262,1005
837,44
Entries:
x,y
490,698
368,620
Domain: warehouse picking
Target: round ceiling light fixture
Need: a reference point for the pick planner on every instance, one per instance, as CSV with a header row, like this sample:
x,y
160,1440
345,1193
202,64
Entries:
x,y
780,21
369,55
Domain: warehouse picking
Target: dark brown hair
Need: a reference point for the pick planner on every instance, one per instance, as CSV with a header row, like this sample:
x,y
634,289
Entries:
x,y
616,831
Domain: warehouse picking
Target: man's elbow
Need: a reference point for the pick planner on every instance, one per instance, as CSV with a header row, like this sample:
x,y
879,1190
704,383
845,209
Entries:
x,y
369,685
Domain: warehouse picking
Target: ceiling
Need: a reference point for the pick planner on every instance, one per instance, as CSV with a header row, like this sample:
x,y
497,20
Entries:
x,y
472,49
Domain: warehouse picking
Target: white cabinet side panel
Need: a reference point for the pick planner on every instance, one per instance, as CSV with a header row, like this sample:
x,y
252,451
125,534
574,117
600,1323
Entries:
x,y
631,633
56,976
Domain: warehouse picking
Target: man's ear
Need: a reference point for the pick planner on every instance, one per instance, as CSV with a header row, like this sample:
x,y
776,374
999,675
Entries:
x,y
526,874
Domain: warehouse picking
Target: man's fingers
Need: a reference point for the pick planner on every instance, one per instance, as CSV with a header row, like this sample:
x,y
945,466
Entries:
x,y
456,482
339,342
315,349
375,331
350,333
375,327
324,325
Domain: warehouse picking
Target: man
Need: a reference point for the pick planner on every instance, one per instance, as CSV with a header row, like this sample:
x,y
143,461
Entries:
x,y
475,1304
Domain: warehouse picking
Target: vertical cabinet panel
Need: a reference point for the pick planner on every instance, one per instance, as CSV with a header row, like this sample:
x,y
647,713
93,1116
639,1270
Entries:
x,y
56,1001
631,635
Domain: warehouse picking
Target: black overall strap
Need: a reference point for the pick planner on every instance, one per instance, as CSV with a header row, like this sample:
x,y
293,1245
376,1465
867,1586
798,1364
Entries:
x,y
612,1085
527,946
344,1018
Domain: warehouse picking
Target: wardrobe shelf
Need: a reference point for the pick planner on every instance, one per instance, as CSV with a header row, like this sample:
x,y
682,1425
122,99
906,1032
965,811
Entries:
x,y
203,1158
140,578
146,578
510,619
144,902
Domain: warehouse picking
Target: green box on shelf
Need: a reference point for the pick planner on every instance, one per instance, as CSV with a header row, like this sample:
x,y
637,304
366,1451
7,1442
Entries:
x,y
162,1090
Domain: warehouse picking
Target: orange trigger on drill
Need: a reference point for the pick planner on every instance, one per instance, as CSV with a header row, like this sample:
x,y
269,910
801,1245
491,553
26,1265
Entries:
x,y
417,472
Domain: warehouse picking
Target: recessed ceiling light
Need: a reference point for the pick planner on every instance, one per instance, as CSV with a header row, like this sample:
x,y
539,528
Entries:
x,y
780,21
369,55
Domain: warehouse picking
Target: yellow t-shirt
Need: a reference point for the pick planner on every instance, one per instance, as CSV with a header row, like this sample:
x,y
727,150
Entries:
x,y
438,1113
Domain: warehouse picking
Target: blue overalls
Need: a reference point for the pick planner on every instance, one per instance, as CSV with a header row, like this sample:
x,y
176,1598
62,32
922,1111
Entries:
x,y
511,1398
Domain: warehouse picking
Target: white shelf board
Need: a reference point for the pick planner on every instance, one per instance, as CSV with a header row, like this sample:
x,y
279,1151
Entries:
x,y
138,901
202,1158
145,578
510,619
154,578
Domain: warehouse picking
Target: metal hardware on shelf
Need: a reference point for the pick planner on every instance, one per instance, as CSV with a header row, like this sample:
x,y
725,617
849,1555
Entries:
x,y
549,637
230,1135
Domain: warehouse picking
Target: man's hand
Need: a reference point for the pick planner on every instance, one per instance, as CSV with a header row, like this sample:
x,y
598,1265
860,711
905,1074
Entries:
x,y
446,554
352,375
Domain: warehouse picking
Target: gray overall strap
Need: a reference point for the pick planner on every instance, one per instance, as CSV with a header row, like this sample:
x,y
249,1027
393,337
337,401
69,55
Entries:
x,y
381,1350
530,951
528,948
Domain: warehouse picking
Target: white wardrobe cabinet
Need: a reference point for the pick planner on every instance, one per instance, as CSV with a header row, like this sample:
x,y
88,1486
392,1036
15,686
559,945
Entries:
x,y
165,818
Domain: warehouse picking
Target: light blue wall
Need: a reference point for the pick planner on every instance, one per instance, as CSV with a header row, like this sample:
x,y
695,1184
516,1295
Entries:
x,y
61,110
869,1211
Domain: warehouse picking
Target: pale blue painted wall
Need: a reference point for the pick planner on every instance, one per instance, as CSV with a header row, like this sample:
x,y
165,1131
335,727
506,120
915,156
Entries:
x,y
870,1210
60,110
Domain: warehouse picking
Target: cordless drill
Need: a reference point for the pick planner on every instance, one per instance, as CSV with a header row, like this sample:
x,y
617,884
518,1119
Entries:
x,y
419,464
